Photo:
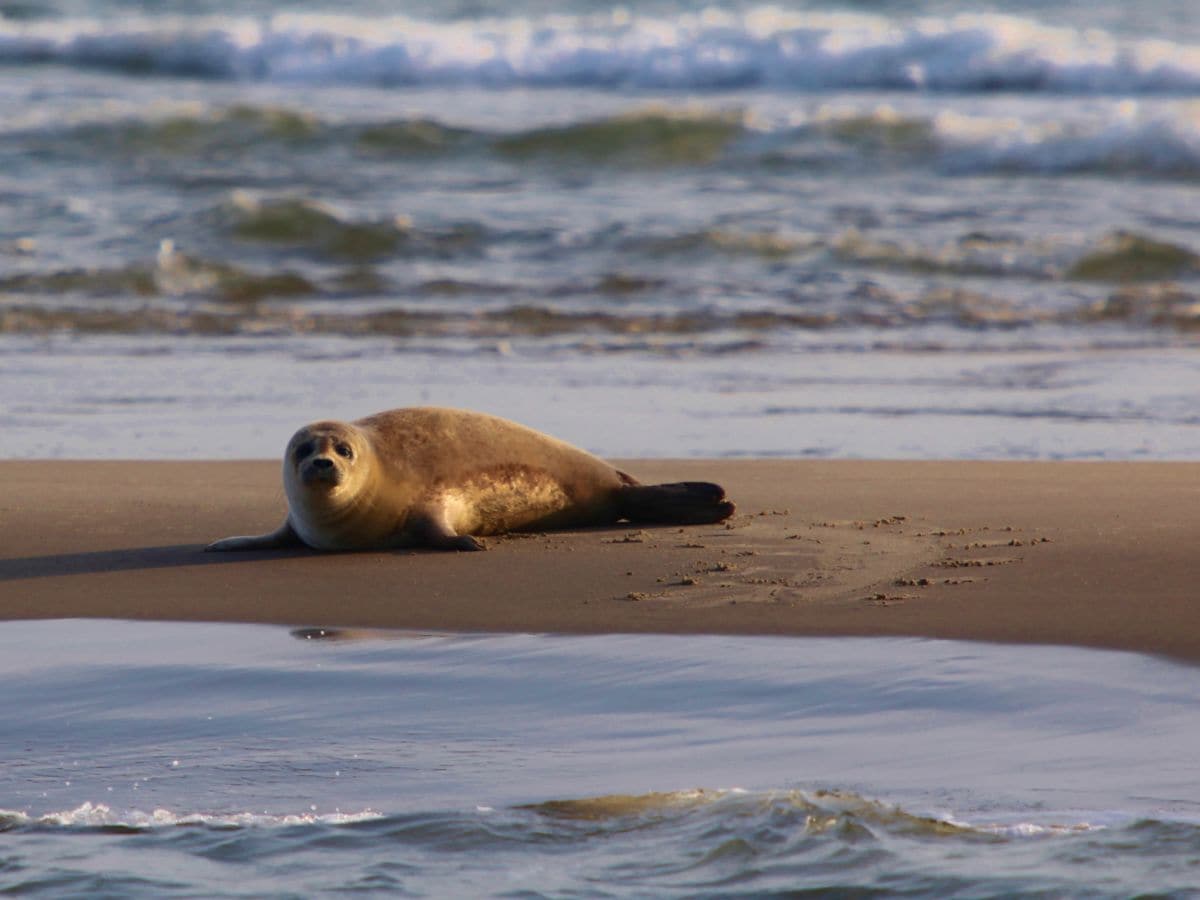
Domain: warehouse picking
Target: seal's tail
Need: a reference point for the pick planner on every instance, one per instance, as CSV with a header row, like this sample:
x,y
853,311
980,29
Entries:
x,y
681,503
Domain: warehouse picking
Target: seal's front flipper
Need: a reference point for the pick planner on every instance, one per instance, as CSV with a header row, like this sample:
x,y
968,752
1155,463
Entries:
x,y
461,542
681,503
281,537
437,534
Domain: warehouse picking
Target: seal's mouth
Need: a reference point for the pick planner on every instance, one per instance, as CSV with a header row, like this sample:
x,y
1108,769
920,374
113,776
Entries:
x,y
321,472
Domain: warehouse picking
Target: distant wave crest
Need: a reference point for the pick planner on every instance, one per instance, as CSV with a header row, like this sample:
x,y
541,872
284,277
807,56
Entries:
x,y
761,47
1122,137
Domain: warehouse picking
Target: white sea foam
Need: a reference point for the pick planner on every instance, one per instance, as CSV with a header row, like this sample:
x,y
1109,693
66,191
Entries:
x,y
1129,140
99,815
1034,830
1128,136
763,46
1027,829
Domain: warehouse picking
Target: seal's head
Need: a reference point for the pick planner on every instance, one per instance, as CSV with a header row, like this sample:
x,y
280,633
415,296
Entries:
x,y
325,459
332,489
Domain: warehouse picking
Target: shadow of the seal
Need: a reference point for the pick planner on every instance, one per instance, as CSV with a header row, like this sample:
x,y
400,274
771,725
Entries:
x,y
169,556
131,559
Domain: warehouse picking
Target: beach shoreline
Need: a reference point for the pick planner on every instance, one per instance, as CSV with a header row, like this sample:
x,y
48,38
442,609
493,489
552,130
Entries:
x,y
1090,554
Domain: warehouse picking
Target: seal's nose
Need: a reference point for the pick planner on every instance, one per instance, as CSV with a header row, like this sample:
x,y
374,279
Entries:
x,y
322,463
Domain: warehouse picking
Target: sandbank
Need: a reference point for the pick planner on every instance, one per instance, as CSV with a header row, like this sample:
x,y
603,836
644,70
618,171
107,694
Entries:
x,y
1096,554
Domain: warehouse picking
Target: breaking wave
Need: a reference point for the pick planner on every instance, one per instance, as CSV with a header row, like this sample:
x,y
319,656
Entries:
x,y
1153,139
676,843
840,814
762,46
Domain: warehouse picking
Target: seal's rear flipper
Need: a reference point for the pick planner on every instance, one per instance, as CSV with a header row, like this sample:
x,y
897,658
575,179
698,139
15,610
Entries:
x,y
681,503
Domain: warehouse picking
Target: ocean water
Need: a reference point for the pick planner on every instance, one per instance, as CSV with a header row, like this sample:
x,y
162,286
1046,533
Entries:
x,y
905,228
167,760
897,229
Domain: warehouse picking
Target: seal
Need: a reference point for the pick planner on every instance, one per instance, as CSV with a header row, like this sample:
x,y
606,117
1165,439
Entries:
x,y
443,478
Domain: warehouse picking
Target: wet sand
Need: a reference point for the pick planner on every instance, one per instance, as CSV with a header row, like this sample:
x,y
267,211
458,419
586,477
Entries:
x,y
1095,554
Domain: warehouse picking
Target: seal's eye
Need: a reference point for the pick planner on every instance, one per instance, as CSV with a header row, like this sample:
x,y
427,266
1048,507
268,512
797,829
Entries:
x,y
303,451
344,451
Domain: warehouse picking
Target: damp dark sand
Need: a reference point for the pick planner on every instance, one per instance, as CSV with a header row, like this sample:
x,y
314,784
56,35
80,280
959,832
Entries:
x,y
1093,554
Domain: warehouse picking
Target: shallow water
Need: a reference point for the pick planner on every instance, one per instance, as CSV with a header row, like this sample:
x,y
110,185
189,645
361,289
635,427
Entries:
x,y
180,398
176,760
